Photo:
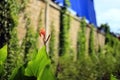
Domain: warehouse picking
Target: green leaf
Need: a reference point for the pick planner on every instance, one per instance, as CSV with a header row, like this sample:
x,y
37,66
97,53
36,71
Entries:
x,y
40,66
18,74
3,53
15,71
113,77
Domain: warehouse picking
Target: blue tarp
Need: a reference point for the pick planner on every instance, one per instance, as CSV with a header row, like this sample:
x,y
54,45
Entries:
x,y
83,8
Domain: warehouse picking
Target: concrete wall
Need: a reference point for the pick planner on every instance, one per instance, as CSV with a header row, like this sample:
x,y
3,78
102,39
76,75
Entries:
x,y
34,8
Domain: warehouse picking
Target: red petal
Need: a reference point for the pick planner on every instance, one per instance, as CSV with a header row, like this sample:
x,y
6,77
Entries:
x,y
42,32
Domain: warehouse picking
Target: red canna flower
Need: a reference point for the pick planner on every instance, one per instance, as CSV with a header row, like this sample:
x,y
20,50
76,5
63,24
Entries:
x,y
42,32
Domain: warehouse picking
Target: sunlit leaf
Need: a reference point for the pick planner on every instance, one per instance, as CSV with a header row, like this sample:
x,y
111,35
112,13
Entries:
x,y
40,66
3,53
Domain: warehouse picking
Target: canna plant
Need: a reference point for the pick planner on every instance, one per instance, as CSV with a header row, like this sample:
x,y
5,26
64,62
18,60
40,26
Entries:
x,y
39,66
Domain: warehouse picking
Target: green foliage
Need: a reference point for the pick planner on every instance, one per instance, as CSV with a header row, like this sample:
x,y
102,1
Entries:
x,y
3,53
67,3
19,55
29,44
14,7
106,29
98,66
86,69
81,69
85,64
52,48
64,32
52,41
14,74
15,54
68,69
27,51
14,58
91,41
40,66
106,63
3,56
81,41
108,59
113,77
64,44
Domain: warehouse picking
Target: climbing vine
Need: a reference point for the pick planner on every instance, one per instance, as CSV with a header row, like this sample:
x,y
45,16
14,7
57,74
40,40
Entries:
x,y
81,41
14,57
64,32
29,41
52,47
64,42
52,41
91,41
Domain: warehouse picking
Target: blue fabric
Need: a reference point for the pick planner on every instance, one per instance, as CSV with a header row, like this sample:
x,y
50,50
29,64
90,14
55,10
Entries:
x,y
91,11
61,1
83,8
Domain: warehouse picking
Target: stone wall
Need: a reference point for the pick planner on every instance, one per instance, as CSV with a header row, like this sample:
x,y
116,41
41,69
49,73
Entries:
x,y
35,7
